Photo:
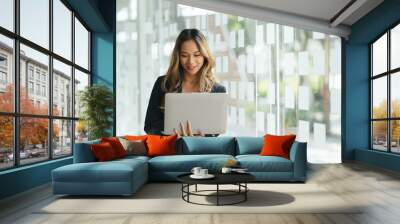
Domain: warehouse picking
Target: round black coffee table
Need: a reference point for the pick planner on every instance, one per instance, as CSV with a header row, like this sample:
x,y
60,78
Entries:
x,y
238,179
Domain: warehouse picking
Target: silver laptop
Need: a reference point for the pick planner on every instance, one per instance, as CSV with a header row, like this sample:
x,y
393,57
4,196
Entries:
x,y
206,112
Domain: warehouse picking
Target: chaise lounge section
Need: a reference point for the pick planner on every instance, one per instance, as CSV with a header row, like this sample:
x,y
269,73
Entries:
x,y
125,176
88,177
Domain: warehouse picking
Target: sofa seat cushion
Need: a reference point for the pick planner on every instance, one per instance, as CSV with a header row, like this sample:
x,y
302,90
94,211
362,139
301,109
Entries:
x,y
185,163
257,163
112,171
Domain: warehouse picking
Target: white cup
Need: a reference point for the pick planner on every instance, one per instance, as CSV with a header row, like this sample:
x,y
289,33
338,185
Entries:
x,y
203,172
196,170
226,170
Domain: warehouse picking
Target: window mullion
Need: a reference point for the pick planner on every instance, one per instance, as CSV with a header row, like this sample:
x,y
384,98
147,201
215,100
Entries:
x,y
73,82
16,84
50,81
371,89
389,106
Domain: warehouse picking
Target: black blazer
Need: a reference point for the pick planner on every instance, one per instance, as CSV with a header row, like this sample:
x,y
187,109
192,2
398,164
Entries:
x,y
154,122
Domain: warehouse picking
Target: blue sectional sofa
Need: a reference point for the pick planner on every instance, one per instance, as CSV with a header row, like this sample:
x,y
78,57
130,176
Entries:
x,y
125,176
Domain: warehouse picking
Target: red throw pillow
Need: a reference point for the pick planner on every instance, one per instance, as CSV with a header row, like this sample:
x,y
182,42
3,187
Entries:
x,y
116,145
161,145
103,151
277,145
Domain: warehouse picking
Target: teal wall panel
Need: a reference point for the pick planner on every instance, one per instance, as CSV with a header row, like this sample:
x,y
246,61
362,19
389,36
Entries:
x,y
102,58
357,99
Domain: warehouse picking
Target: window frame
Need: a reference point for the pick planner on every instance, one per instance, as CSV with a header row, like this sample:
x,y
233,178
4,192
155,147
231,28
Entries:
x,y
16,115
388,74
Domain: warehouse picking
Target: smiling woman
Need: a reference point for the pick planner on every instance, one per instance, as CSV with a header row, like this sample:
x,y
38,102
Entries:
x,y
189,71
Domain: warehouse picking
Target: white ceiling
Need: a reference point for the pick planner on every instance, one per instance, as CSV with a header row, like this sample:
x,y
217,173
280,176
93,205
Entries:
x,y
318,9
314,15
321,9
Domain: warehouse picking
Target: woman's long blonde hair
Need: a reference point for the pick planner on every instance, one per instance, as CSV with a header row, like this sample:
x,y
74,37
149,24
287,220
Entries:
x,y
174,76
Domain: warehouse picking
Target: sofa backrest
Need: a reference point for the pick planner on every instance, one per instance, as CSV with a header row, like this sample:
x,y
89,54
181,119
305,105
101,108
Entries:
x,y
249,145
206,145
83,152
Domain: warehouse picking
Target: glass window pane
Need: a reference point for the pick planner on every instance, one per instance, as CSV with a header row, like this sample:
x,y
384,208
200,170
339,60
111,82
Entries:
x,y
379,135
35,21
34,80
395,47
395,138
395,94
81,131
33,139
379,55
62,29
6,74
62,89
81,81
62,138
6,142
81,45
379,98
7,14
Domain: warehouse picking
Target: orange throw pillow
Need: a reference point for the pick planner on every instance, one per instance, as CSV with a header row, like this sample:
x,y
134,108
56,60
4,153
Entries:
x,y
275,145
136,137
116,145
161,145
103,152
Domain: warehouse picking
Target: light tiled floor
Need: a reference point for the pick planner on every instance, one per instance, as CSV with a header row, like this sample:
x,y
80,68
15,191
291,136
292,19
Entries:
x,y
377,188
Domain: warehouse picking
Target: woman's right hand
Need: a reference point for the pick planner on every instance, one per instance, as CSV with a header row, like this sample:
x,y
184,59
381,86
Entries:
x,y
186,131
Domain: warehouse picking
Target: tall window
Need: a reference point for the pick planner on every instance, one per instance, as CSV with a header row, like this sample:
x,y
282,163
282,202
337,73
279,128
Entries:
x,y
35,54
280,79
385,92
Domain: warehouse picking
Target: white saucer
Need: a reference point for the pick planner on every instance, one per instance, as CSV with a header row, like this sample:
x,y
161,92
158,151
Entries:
x,y
208,176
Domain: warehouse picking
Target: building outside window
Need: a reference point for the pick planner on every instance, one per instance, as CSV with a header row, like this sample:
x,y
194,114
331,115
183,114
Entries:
x,y
38,89
43,90
3,72
30,87
3,78
3,61
44,77
37,74
30,72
